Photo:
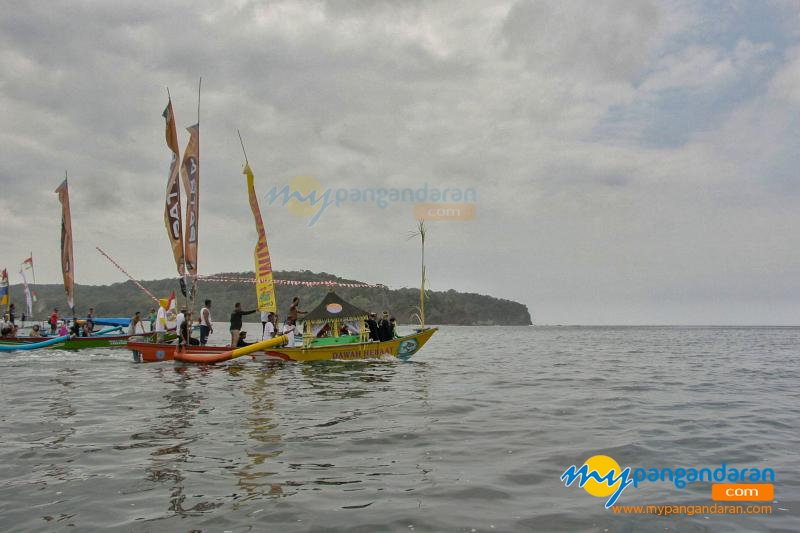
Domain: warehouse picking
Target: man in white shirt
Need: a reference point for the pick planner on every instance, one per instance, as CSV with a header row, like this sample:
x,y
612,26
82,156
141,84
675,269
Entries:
x,y
180,319
161,320
268,329
289,330
205,323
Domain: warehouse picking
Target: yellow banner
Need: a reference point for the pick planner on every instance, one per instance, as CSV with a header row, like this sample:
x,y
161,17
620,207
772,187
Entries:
x,y
265,287
67,264
172,210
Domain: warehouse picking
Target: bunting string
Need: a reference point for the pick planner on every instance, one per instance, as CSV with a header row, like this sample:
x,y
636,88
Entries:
x,y
292,282
150,294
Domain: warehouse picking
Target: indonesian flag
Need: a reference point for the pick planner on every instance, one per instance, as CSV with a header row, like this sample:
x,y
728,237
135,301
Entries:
x,y
28,263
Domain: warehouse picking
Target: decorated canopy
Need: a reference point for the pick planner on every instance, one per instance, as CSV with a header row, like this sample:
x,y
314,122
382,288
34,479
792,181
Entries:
x,y
334,308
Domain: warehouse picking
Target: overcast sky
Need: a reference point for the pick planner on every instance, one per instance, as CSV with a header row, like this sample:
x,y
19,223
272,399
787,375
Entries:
x,y
634,162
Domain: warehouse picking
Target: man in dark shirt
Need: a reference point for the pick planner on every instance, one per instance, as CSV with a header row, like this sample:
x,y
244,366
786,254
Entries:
x,y
384,328
372,324
236,322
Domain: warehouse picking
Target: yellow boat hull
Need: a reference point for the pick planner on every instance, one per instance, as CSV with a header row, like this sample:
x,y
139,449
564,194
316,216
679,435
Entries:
x,y
400,348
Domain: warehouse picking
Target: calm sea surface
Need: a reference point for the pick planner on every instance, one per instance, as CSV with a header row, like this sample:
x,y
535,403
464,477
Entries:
x,y
471,435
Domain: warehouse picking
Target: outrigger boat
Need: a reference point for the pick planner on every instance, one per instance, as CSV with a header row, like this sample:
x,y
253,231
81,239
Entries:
x,y
322,338
329,316
74,343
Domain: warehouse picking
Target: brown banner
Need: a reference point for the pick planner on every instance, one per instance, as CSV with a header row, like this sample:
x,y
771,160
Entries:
x,y
190,175
172,209
67,265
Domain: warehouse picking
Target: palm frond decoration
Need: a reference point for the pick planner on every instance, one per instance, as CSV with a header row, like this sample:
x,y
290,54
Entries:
x,y
421,231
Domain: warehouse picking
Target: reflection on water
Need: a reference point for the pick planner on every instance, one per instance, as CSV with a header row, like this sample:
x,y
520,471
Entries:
x,y
172,435
257,477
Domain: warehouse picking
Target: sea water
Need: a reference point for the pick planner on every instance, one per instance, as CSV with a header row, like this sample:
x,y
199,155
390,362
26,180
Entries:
x,y
473,434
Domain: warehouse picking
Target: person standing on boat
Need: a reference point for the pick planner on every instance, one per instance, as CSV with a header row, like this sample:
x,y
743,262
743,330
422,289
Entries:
x,y
268,331
152,318
136,326
289,330
11,312
54,321
236,322
372,324
90,314
266,318
393,325
205,323
294,310
384,328
180,318
184,329
161,320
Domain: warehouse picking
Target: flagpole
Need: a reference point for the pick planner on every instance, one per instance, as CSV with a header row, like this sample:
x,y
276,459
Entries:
x,y
242,143
192,296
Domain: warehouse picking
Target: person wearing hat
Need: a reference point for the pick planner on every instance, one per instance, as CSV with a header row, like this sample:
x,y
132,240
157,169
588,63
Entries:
x,y
384,328
161,320
372,324
242,340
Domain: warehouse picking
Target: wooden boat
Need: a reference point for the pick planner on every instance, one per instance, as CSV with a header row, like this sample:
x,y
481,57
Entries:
x,y
400,348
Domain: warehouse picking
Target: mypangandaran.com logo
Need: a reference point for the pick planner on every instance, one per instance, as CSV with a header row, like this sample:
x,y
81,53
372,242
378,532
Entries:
x,y
304,196
601,476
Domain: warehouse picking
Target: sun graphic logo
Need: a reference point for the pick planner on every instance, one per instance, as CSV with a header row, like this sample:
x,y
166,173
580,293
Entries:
x,y
308,189
600,476
302,196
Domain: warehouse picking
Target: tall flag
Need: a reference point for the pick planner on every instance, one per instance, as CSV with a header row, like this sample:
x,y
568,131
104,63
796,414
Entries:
x,y
4,297
265,286
172,209
28,294
67,264
190,175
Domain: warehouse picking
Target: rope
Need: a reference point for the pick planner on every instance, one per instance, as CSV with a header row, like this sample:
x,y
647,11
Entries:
x,y
150,294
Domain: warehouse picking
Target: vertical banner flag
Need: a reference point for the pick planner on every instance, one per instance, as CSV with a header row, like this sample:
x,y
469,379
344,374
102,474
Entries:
x,y
28,265
190,175
28,296
265,287
4,298
67,264
172,210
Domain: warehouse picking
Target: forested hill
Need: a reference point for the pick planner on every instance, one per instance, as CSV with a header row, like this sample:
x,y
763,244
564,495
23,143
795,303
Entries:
x,y
122,299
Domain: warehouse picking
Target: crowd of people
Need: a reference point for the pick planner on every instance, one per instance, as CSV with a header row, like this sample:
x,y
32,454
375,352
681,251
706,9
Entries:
x,y
379,330
58,326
